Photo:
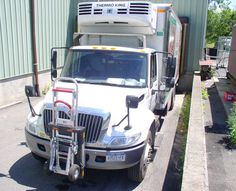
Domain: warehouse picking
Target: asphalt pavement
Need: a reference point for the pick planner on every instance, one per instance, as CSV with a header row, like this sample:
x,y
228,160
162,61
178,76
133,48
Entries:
x,y
20,171
221,157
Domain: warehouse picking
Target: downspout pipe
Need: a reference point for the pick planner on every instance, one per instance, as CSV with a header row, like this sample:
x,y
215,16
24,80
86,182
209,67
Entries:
x,y
35,61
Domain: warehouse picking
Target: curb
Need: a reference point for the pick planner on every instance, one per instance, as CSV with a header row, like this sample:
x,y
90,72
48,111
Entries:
x,y
10,104
195,175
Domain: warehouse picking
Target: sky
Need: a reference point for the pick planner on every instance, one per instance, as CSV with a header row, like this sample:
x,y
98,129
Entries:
x,y
233,3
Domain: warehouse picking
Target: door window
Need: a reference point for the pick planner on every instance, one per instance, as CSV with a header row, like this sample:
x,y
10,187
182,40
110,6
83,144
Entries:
x,y
153,69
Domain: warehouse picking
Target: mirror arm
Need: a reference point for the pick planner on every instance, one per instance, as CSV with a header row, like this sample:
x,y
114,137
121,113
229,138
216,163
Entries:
x,y
33,113
163,52
56,48
128,116
120,121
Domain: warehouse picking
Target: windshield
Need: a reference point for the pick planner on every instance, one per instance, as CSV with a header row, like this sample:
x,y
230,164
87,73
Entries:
x,y
107,67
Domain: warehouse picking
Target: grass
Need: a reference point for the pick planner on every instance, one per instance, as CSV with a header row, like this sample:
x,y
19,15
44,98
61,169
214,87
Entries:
x,y
176,164
183,125
232,125
184,115
210,45
183,130
205,94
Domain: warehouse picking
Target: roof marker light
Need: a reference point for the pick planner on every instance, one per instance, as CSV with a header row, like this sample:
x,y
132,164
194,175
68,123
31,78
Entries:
x,y
161,10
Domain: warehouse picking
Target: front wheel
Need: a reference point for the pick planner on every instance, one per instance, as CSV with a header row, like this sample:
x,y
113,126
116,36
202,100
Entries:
x,y
138,172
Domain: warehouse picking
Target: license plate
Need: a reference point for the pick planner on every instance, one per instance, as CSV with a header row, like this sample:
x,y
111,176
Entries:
x,y
115,157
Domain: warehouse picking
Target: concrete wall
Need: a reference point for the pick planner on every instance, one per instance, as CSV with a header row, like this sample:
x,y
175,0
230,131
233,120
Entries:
x,y
12,91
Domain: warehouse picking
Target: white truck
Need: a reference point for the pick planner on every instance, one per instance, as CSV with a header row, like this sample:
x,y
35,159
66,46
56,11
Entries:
x,y
122,70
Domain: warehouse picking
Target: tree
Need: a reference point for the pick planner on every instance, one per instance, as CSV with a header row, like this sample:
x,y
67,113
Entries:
x,y
212,25
220,21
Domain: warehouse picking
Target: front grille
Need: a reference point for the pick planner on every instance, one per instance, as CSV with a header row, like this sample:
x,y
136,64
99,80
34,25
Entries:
x,y
92,124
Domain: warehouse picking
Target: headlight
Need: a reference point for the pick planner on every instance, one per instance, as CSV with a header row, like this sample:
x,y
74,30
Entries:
x,y
32,126
35,125
122,141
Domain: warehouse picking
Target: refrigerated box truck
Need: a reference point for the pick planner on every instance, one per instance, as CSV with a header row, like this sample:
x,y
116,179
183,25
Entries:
x,y
120,73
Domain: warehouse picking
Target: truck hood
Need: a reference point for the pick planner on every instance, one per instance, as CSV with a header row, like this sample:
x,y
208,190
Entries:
x,y
98,99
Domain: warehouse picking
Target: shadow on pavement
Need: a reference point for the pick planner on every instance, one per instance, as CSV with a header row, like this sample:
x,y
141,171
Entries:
x,y
226,143
29,172
219,119
216,128
220,155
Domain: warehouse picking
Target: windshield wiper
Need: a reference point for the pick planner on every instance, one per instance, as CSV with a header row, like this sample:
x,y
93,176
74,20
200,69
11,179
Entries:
x,y
81,80
99,82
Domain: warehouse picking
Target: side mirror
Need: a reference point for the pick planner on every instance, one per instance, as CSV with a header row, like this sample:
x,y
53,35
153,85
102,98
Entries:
x,y
132,101
54,73
29,91
54,64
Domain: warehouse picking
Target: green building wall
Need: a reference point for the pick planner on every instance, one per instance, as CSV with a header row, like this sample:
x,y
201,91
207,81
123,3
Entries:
x,y
54,24
15,38
196,11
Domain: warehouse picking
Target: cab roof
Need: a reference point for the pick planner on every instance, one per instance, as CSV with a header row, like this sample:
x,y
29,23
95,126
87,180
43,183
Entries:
x,y
113,48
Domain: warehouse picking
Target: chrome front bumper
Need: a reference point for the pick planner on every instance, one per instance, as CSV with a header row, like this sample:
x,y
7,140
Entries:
x,y
95,158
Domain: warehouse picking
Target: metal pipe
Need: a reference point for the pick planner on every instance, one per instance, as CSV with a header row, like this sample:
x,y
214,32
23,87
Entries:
x,y
35,61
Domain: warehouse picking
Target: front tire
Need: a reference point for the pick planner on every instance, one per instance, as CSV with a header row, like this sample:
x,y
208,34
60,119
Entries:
x,y
138,172
172,104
